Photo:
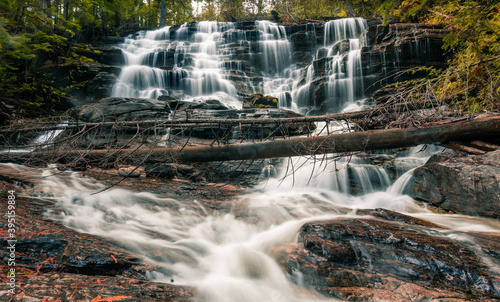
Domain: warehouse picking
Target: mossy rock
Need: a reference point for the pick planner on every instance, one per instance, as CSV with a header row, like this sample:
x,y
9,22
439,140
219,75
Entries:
x,y
260,101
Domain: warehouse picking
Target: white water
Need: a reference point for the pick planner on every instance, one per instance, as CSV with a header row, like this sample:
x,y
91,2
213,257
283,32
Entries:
x,y
200,60
43,140
228,255
163,62
344,90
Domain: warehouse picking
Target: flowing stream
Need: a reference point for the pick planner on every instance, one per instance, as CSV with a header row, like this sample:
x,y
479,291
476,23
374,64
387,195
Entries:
x,y
227,255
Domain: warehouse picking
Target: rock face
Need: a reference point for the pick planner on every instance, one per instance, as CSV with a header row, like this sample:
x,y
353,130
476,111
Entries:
x,y
396,47
463,184
389,257
248,61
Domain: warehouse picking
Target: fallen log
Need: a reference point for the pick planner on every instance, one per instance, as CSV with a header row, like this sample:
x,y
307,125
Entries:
x,y
192,122
466,149
481,127
484,145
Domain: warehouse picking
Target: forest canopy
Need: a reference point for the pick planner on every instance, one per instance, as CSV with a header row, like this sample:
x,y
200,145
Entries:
x,y
34,31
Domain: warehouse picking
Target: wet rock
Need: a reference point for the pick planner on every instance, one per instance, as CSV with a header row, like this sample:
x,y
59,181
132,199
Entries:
x,y
122,109
101,86
303,41
463,184
50,253
392,257
202,104
160,171
260,101
396,47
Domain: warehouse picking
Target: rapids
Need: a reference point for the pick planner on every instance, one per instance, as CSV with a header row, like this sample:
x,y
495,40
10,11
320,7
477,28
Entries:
x,y
227,255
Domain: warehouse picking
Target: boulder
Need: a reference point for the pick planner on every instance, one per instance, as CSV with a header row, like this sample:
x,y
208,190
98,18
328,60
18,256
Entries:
x,y
260,101
160,171
388,257
466,184
122,109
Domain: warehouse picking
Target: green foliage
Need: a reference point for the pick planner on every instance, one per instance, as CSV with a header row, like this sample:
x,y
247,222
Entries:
x,y
38,32
472,81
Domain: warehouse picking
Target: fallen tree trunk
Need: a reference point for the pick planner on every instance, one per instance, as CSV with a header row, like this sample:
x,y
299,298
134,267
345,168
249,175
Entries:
x,y
481,127
182,121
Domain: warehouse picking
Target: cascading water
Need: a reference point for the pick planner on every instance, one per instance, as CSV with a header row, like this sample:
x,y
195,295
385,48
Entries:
x,y
345,82
187,60
228,254
208,57
338,64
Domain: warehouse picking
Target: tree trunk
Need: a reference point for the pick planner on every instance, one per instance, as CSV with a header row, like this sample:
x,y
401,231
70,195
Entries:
x,y
350,9
162,13
481,127
66,10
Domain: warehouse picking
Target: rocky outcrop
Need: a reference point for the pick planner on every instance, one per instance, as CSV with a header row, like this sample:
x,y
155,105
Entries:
x,y
463,184
260,101
397,47
122,109
388,257
84,83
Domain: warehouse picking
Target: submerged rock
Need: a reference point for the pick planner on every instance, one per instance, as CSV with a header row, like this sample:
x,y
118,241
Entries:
x,y
463,184
392,257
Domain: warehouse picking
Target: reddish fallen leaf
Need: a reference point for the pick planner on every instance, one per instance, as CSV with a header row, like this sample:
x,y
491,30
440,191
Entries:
x,y
76,288
131,280
110,299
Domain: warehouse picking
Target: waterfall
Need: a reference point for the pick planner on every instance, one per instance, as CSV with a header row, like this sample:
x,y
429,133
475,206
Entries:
x,y
345,76
210,58
276,49
186,60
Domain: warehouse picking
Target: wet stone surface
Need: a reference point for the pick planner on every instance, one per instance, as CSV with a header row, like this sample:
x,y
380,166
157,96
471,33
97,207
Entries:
x,y
392,257
466,184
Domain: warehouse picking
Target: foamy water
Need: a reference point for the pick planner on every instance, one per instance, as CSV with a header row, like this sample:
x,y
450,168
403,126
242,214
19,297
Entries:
x,y
227,254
